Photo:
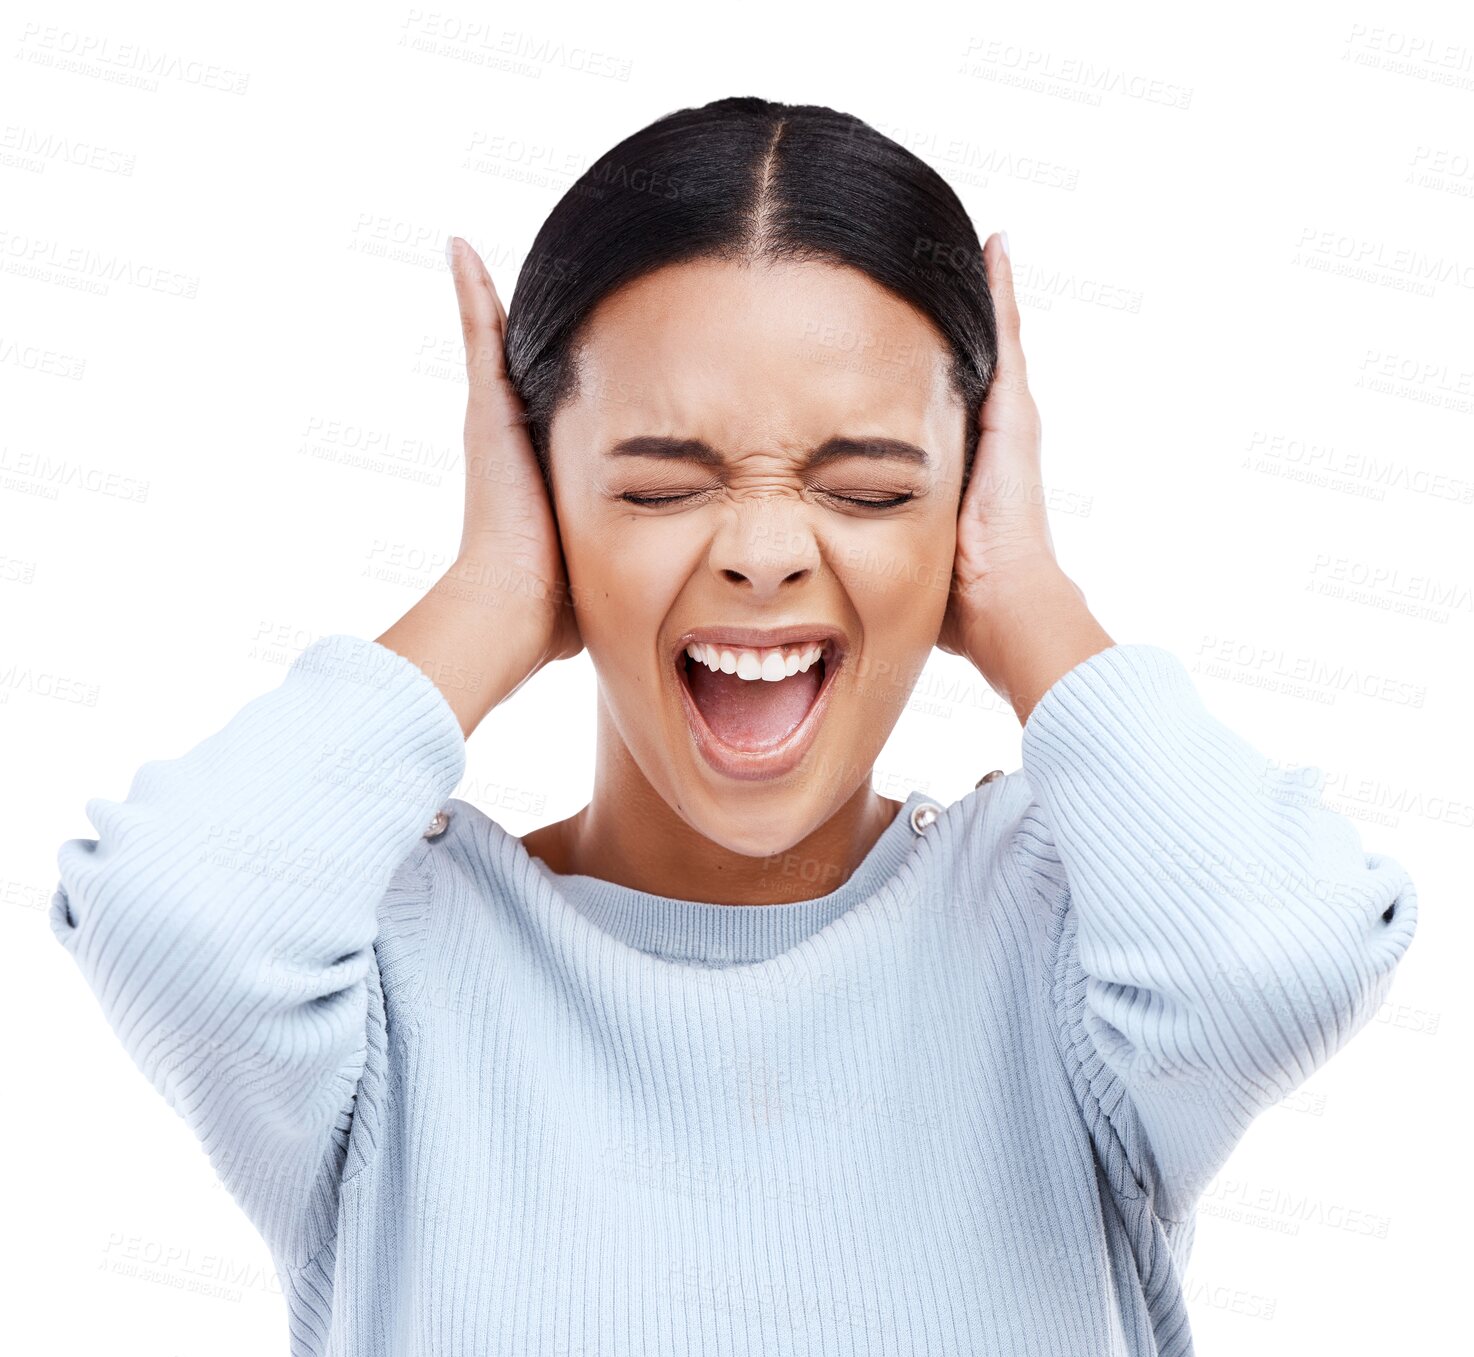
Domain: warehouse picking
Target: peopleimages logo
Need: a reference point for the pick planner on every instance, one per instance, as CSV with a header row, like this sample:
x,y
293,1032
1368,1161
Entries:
x,y
90,270
121,63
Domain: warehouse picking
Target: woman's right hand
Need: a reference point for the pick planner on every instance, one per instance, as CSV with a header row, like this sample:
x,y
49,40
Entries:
x,y
509,527
504,609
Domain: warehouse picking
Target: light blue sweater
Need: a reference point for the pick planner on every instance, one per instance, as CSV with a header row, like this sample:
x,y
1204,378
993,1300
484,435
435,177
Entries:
x,y
963,1104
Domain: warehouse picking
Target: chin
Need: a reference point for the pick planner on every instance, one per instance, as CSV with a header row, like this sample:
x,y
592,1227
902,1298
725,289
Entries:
x,y
757,821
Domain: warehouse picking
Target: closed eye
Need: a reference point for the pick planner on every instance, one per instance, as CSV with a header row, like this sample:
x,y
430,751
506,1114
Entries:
x,y
874,503
656,501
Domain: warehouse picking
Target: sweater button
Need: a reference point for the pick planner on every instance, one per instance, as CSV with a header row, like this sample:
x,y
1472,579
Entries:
x,y
437,825
923,814
988,777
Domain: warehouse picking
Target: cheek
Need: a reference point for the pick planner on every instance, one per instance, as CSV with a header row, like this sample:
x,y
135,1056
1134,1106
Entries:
x,y
899,593
899,580
623,585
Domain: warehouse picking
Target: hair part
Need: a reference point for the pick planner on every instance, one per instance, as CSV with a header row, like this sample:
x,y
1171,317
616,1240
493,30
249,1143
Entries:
x,y
749,180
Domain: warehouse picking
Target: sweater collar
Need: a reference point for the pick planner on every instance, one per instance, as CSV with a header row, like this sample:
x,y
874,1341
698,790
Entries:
x,y
708,934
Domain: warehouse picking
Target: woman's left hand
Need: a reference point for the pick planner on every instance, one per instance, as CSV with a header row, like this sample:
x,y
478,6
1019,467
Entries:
x,y
1012,610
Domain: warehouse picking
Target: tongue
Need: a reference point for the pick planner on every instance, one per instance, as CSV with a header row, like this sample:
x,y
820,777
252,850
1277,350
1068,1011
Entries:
x,y
752,713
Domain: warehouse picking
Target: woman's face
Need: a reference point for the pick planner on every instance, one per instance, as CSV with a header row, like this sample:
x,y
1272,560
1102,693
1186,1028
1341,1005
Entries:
x,y
798,424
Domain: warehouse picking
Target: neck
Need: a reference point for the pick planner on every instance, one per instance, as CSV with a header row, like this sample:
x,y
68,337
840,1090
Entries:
x,y
630,836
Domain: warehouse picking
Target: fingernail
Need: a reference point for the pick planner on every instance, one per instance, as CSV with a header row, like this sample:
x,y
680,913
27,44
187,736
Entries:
x,y
1003,240
450,253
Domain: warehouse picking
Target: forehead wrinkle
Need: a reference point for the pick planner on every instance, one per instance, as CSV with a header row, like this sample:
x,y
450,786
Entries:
x,y
740,417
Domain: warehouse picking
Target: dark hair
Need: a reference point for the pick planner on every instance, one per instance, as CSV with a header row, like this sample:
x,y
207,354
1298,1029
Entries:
x,y
748,179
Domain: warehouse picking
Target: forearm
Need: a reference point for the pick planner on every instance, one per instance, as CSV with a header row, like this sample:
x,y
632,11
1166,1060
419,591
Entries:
x,y
226,915
1230,933
463,637
1032,633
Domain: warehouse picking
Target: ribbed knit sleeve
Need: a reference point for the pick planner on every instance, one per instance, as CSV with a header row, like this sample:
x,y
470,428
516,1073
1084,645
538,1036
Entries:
x,y
225,916
1231,934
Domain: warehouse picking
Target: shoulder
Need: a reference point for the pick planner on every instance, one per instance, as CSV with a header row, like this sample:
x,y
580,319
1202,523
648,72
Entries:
x,y
403,919
1000,838
991,851
467,873
475,847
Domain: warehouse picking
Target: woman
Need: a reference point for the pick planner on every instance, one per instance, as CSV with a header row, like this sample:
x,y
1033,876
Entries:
x,y
743,1057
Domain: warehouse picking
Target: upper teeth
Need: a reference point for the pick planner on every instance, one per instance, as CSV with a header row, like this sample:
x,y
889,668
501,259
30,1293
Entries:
x,y
771,663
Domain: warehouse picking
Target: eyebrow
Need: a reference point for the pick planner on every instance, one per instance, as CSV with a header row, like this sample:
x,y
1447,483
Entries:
x,y
695,450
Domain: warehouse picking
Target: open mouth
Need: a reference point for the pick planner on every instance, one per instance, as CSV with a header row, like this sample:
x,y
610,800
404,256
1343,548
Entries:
x,y
756,699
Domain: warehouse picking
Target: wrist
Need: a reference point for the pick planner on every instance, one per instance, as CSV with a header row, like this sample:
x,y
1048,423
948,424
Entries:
x,y
1034,628
468,643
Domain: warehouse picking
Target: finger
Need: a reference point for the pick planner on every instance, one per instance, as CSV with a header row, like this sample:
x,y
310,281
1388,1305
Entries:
x,y
496,296
491,403
1009,402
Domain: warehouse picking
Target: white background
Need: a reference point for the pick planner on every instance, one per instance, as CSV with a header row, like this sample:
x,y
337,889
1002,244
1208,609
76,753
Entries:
x,y
1246,261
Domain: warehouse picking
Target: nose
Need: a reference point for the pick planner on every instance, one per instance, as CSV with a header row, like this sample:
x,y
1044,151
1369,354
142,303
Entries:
x,y
764,546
